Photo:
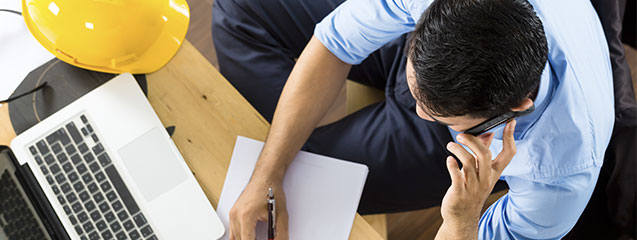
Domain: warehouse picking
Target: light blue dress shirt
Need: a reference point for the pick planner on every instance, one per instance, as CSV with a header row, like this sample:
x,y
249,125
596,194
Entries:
x,y
560,146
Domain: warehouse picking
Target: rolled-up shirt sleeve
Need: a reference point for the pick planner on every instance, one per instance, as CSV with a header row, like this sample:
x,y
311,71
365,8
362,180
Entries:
x,y
357,28
539,210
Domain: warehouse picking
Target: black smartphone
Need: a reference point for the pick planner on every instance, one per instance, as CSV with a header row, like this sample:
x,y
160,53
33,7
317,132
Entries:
x,y
496,121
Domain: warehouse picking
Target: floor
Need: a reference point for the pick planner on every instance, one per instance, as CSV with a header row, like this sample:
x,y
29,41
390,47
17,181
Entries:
x,y
421,224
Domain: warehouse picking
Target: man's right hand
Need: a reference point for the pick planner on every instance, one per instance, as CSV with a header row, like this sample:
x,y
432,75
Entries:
x,y
313,86
252,207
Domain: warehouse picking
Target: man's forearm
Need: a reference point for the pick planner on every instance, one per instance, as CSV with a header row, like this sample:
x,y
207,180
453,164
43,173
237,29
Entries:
x,y
311,89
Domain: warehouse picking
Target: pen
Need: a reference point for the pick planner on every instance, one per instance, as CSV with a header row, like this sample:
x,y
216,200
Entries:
x,y
271,215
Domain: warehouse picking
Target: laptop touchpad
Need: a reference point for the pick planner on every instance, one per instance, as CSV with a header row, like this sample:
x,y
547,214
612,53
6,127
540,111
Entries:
x,y
153,164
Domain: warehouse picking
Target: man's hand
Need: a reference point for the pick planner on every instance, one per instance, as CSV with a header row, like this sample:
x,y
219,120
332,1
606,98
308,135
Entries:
x,y
252,207
471,185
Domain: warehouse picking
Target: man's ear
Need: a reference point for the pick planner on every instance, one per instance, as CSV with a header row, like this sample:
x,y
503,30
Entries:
x,y
524,105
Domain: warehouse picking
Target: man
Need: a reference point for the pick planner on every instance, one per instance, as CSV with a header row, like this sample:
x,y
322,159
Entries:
x,y
453,63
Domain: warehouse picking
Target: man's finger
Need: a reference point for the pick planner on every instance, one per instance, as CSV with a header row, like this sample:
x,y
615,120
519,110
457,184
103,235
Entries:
x,y
454,172
481,151
486,139
281,226
467,159
248,228
234,228
508,148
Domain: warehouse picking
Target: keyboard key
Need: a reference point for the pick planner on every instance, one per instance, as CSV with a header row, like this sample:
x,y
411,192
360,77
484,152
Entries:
x,y
139,219
110,217
67,209
147,231
81,168
84,119
73,177
117,205
33,150
94,167
79,230
60,178
42,147
59,135
104,160
100,177
115,226
56,148
89,128
71,198
75,134
121,236
111,196
76,159
56,189
104,207
95,215
44,170
66,188
61,199
38,160
49,179
90,206
105,186
73,219
70,149
55,168
89,157
152,238
83,148
77,207
98,197
95,139
84,195
107,234
92,187
128,225
84,237
67,167
134,235
48,159
98,149
94,236
122,215
87,178
101,225
84,132
62,157
82,217
122,190
88,226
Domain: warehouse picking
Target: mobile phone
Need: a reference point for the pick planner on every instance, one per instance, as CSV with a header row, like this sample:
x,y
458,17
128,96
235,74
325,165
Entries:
x,y
497,120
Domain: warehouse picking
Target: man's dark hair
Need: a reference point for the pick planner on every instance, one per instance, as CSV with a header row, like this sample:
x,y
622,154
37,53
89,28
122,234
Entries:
x,y
477,57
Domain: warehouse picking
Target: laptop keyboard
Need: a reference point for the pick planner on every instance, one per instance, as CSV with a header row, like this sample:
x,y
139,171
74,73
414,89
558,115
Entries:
x,y
16,218
87,185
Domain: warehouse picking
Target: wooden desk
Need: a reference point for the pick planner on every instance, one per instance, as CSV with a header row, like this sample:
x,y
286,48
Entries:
x,y
209,114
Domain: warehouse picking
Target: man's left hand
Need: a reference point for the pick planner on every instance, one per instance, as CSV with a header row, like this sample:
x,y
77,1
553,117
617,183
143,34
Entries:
x,y
471,185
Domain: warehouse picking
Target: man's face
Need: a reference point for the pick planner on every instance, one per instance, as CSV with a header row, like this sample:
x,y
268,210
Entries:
x,y
458,124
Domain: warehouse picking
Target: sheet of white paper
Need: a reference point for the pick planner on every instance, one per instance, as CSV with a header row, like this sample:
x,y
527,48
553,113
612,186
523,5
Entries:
x,y
322,192
20,53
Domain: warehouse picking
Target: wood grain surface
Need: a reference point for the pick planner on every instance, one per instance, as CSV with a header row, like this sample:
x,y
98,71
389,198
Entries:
x,y
208,114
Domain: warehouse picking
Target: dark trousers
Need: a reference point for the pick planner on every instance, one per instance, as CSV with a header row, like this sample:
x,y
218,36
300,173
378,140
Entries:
x,y
257,43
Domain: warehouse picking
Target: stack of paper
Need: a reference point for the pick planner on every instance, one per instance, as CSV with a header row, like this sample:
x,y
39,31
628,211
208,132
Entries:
x,y
322,193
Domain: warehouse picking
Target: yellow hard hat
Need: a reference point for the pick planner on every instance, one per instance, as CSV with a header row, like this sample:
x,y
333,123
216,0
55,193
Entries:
x,y
114,36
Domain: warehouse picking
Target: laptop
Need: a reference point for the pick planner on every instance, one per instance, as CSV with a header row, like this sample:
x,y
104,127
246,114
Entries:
x,y
103,167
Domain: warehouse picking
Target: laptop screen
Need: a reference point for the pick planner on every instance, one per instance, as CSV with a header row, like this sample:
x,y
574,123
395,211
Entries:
x,y
19,218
